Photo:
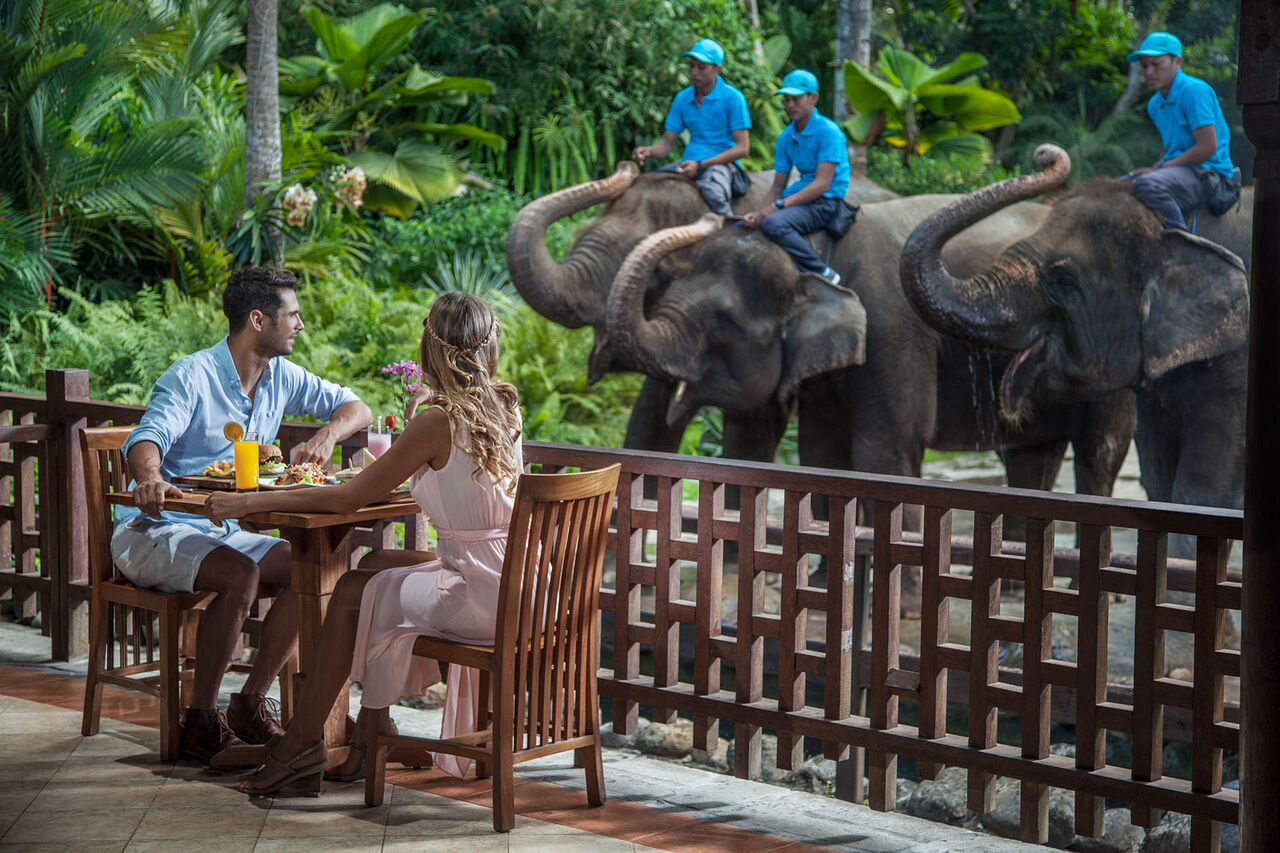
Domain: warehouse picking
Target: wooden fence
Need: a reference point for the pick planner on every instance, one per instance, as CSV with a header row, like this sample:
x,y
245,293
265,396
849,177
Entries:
x,y
801,527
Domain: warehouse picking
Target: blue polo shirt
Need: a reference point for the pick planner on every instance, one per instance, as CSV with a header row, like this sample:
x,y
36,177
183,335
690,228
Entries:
x,y
711,125
1191,105
201,392
821,141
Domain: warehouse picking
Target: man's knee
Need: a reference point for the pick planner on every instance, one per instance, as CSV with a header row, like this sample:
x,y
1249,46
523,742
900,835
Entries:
x,y
230,574
277,565
774,227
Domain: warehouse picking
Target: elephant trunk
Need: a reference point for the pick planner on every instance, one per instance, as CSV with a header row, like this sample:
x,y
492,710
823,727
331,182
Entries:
x,y
983,309
657,346
567,293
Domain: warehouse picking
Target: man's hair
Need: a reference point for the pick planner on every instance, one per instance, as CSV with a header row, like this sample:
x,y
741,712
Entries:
x,y
254,287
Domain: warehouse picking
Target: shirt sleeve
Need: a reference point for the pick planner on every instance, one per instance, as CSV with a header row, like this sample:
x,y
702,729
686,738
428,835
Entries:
x,y
311,395
739,115
832,148
781,159
168,414
1200,107
675,121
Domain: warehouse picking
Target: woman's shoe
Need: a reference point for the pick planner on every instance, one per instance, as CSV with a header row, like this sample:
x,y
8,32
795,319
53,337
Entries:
x,y
303,773
415,758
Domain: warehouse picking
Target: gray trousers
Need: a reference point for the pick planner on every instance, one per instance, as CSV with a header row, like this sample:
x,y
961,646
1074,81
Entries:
x,y
1172,192
715,183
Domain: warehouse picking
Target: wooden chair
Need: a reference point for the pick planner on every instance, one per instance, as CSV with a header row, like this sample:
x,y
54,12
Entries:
x,y
538,680
121,613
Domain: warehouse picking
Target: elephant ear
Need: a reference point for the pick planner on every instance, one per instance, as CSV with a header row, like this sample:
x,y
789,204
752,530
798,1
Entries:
x,y
1195,307
827,330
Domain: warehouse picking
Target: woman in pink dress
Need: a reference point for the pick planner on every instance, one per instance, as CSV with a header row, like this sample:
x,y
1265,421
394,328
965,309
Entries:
x,y
463,457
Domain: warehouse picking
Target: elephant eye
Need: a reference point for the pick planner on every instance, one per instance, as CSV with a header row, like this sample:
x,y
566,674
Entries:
x,y
1061,284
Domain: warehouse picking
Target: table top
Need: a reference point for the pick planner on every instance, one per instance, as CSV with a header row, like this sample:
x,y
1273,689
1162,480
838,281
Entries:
x,y
396,506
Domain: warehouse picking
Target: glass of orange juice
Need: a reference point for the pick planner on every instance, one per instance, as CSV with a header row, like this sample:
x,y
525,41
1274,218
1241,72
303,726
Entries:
x,y
246,454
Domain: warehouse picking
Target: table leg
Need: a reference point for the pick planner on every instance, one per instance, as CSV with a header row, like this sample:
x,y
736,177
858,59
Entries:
x,y
320,556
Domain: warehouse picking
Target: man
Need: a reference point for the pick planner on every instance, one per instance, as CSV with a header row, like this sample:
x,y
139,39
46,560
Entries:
x,y
715,114
815,146
243,379
1196,164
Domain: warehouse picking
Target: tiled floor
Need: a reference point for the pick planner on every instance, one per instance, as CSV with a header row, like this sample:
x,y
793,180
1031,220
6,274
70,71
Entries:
x,y
60,791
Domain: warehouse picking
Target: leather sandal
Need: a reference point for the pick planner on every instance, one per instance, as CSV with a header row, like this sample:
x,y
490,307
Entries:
x,y
305,773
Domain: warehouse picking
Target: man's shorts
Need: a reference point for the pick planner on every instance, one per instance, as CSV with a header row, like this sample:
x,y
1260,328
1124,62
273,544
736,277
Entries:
x,y
166,555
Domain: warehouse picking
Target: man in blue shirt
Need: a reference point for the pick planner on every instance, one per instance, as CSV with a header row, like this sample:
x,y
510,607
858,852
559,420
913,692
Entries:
x,y
242,379
1196,164
815,146
715,114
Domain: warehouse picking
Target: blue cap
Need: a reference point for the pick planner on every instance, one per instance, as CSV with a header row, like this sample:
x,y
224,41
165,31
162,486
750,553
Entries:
x,y
798,82
1157,44
705,50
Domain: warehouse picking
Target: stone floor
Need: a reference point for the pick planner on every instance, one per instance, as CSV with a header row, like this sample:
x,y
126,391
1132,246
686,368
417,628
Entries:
x,y
61,791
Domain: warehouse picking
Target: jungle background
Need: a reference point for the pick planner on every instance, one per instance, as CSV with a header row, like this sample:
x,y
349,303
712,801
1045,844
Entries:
x,y
123,202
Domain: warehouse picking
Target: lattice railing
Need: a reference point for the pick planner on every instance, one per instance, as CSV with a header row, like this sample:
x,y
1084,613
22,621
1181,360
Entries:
x,y
782,530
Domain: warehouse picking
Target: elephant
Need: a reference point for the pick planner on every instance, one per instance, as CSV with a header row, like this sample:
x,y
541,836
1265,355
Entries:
x,y
1098,298
574,293
744,329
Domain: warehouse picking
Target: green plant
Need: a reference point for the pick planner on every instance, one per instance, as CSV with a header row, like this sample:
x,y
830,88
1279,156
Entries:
x,y
380,112
938,174
919,110
470,272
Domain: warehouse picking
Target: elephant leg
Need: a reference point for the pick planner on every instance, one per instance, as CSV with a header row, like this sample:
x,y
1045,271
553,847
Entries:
x,y
754,436
1030,468
1158,450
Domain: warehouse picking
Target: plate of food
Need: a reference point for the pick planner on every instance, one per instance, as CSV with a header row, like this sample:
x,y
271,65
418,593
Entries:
x,y
346,475
300,476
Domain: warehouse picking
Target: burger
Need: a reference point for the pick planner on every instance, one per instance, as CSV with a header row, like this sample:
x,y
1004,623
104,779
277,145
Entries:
x,y
270,459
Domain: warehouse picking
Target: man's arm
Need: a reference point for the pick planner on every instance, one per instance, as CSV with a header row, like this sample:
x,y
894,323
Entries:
x,y
658,150
347,419
820,184
151,489
1206,146
755,217
741,148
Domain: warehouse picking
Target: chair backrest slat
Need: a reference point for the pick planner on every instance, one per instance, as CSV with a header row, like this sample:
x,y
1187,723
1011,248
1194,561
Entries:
x,y
547,630
105,469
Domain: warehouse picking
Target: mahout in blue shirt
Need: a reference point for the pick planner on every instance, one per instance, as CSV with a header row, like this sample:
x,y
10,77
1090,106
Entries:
x,y
821,141
1191,105
711,125
200,393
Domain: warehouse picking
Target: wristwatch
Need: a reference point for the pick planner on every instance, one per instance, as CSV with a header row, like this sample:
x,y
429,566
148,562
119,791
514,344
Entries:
x,y
778,205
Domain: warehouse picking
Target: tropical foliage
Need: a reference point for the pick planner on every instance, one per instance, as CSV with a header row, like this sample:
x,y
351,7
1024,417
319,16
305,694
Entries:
x,y
921,109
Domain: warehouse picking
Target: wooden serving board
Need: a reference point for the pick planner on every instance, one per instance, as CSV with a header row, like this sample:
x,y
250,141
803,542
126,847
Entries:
x,y
213,484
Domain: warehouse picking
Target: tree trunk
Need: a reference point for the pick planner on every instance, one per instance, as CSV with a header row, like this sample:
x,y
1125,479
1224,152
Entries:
x,y
1133,88
262,107
853,42
753,15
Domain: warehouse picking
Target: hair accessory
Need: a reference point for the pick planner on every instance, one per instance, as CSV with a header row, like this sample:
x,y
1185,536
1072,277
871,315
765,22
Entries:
x,y
432,332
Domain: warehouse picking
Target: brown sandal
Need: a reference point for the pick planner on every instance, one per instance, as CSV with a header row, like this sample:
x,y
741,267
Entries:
x,y
305,773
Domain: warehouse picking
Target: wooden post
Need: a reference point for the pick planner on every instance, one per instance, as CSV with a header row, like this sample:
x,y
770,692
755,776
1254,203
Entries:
x,y
62,514
1259,94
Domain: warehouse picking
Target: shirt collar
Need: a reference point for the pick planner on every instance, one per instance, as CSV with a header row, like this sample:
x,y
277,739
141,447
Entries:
x,y
810,126
713,95
227,366
1175,88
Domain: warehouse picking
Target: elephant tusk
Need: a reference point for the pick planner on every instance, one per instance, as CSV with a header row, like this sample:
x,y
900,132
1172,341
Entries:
x,y
680,389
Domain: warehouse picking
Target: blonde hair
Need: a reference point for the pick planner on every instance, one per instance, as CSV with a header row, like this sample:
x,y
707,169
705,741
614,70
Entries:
x,y
459,356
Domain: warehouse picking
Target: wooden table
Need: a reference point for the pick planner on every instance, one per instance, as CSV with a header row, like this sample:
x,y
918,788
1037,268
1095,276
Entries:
x,y
322,550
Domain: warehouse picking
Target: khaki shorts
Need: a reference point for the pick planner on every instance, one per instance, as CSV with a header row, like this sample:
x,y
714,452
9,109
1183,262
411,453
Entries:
x,y
166,555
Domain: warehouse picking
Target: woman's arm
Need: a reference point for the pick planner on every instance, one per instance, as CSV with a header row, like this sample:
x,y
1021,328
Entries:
x,y
425,441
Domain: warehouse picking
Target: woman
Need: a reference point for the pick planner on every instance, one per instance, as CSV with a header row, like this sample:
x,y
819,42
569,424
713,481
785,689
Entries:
x,y
463,455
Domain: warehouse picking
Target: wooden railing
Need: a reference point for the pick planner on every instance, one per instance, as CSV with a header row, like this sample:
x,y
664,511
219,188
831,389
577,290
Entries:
x,y
785,499
802,527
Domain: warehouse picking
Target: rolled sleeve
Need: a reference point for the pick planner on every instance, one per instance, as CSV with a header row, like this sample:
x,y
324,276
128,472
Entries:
x,y
781,161
675,119
739,115
168,414
1201,109
311,395
832,149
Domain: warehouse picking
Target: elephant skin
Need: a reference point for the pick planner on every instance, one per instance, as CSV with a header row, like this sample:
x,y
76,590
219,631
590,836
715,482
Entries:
x,y
744,330
574,293
1101,298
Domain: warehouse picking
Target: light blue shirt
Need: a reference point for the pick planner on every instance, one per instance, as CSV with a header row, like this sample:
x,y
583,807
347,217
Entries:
x,y
821,141
200,393
711,125
1191,105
